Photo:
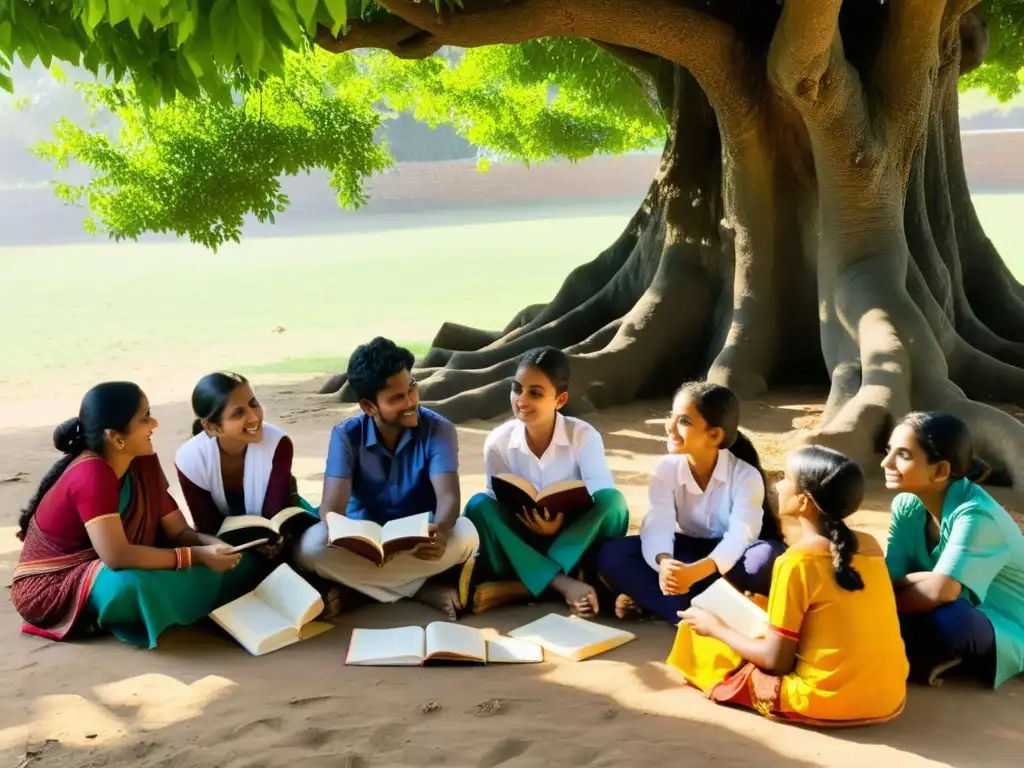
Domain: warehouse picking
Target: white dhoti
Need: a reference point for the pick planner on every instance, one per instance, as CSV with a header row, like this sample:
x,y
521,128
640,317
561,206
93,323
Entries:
x,y
402,576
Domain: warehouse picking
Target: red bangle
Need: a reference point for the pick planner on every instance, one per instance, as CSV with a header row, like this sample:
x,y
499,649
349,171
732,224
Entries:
x,y
182,558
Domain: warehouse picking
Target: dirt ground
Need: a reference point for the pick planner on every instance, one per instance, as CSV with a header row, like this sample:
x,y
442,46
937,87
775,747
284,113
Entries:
x,y
200,700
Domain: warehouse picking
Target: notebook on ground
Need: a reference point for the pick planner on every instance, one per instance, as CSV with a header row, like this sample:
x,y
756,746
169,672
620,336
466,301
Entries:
x,y
241,529
376,542
575,639
279,612
733,608
438,641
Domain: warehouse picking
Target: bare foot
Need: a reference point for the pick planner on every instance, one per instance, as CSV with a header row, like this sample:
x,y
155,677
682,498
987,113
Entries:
x,y
580,596
444,597
334,601
627,608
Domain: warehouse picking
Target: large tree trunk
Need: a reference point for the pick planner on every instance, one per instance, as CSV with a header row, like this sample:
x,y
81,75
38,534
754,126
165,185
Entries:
x,y
807,188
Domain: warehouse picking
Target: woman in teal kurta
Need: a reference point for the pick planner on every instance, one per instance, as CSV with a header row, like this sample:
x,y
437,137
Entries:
x,y
956,558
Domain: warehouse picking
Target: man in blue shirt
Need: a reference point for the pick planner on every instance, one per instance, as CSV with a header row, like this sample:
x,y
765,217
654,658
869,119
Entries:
x,y
395,460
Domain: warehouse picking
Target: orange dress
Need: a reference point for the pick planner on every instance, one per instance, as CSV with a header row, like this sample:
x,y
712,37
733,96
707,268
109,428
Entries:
x,y
851,666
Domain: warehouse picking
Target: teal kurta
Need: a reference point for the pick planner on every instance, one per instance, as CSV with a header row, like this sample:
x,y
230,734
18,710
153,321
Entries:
x,y
981,547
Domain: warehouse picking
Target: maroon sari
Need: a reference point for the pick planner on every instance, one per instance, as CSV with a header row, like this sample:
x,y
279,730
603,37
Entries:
x,y
58,565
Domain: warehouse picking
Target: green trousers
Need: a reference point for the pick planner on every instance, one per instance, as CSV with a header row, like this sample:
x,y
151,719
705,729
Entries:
x,y
506,553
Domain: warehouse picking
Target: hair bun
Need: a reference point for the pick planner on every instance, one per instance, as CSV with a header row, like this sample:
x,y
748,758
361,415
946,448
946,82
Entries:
x,y
68,438
978,471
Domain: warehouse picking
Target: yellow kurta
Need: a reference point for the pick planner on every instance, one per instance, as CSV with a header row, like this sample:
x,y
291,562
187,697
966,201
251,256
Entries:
x,y
851,664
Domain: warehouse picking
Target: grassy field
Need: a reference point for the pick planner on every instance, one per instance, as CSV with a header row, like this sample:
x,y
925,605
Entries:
x,y
116,308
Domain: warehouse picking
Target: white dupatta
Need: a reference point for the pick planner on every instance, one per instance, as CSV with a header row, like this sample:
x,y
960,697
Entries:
x,y
199,461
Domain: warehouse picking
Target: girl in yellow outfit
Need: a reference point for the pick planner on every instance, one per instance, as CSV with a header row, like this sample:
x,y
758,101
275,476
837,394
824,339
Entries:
x,y
833,653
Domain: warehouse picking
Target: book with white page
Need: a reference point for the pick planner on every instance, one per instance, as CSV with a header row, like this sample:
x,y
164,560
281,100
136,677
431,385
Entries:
x,y
438,641
574,638
377,543
241,529
733,609
278,613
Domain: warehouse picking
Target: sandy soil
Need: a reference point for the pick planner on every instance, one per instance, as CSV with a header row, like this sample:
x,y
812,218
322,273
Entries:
x,y
200,700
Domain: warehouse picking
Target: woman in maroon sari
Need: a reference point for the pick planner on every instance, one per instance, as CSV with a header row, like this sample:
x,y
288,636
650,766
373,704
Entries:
x,y
105,543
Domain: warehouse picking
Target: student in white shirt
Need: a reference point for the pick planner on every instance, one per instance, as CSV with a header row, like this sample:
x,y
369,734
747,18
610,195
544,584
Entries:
x,y
707,517
525,552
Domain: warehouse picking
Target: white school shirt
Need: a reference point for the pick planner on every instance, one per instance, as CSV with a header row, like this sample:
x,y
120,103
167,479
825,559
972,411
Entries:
x,y
576,452
729,508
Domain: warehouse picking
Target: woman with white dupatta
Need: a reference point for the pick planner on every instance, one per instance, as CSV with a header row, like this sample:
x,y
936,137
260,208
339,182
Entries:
x,y
235,463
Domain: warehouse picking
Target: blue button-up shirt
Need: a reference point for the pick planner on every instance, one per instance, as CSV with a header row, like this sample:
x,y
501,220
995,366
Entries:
x,y
388,485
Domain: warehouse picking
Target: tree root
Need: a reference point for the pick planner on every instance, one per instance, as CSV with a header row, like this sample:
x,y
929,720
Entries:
x,y
662,333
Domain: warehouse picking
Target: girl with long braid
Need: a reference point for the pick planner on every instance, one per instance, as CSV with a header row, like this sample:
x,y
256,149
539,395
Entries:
x,y
833,653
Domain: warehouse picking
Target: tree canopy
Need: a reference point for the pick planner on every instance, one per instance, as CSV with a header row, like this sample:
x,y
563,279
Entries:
x,y
218,98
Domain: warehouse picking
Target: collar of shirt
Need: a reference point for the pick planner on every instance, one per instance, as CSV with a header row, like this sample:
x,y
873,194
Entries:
x,y
372,439
719,476
560,438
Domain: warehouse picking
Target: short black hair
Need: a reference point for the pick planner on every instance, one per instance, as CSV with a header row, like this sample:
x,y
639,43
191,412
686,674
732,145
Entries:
x,y
373,363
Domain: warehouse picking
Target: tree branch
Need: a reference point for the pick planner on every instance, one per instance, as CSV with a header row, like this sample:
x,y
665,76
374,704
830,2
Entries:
x,y
803,47
907,62
390,34
652,73
678,31
955,9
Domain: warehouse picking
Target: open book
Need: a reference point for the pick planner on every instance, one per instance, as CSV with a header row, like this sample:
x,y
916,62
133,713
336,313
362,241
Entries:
x,y
241,529
574,638
279,612
375,542
567,497
733,608
439,641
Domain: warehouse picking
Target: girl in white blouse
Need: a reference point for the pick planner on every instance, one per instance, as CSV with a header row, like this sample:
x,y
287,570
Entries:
x,y
525,552
707,516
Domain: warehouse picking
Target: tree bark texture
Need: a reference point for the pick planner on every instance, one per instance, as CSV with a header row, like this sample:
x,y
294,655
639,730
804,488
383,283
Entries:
x,y
810,221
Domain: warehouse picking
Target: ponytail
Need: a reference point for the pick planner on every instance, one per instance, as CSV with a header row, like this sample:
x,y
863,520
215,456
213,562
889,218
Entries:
x,y
69,439
844,547
744,450
978,471
836,486
197,427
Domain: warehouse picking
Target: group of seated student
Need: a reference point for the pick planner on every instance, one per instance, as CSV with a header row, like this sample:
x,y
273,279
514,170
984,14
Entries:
x,y
106,547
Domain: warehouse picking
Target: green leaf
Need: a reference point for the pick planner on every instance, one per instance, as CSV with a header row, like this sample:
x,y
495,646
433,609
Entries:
x,y
135,16
5,83
338,9
94,13
307,11
224,32
284,13
250,12
154,11
119,11
63,47
186,27
5,35
250,47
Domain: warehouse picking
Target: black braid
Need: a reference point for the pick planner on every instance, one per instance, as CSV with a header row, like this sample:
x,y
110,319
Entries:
x,y
844,547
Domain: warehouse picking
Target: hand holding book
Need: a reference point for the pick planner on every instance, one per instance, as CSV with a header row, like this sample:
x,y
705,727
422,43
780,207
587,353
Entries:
x,y
434,548
541,521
